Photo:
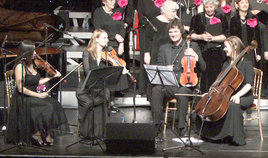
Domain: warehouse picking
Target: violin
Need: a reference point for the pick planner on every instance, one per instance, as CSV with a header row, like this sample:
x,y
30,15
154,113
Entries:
x,y
112,58
44,65
188,78
215,103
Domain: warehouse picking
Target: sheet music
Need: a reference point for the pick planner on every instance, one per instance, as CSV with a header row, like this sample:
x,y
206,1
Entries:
x,y
154,72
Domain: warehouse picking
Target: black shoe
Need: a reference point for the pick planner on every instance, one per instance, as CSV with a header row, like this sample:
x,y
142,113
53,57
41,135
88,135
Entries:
x,y
48,143
182,132
36,142
114,109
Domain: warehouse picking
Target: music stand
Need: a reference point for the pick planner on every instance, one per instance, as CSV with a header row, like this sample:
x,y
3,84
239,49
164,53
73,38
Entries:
x,y
106,77
165,76
161,75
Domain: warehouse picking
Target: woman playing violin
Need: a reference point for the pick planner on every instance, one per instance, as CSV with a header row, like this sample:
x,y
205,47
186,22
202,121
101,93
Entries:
x,y
230,127
32,115
92,58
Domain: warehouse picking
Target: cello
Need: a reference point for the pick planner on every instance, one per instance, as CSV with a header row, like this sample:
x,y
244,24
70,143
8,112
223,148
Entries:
x,y
214,105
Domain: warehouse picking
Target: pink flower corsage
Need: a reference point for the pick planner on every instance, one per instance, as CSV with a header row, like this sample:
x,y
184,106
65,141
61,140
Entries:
x,y
252,22
159,3
226,9
41,88
266,2
214,20
198,2
122,3
117,16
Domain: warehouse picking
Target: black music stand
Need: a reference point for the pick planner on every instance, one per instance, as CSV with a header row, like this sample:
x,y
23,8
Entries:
x,y
106,77
165,76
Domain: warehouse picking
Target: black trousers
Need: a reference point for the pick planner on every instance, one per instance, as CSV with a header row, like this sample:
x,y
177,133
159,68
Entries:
x,y
161,94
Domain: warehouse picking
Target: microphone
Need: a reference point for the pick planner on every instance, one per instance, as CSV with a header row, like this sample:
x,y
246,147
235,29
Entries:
x,y
155,29
4,42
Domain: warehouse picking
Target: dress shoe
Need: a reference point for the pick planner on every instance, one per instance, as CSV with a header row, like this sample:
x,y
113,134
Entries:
x,y
48,143
114,109
36,142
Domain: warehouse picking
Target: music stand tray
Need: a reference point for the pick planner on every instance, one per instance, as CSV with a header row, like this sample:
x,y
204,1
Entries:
x,y
99,78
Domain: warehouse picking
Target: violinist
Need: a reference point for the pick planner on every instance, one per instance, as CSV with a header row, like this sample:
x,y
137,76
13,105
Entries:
x,y
92,59
167,53
230,127
33,115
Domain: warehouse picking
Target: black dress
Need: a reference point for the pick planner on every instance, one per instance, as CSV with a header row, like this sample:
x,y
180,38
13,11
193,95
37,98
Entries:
x,y
33,114
246,34
149,10
154,39
105,21
231,126
212,52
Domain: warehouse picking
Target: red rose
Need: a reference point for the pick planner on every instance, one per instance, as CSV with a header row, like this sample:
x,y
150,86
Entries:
x,y
214,20
252,22
198,2
159,3
122,3
226,9
117,16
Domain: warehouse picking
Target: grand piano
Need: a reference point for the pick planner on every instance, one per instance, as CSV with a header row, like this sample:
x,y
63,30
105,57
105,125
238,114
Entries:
x,y
21,25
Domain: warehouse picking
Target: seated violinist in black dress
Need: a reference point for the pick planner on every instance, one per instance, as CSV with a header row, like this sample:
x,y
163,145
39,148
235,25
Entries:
x,y
92,59
230,127
33,115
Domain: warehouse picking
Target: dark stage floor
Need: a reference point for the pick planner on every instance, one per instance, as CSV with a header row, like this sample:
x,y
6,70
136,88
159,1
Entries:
x,y
254,147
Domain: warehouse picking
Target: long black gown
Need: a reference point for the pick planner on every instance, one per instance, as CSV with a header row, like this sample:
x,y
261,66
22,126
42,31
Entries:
x,y
154,39
231,126
33,114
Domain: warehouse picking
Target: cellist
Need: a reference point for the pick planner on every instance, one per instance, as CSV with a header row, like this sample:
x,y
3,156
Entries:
x,y
167,54
230,127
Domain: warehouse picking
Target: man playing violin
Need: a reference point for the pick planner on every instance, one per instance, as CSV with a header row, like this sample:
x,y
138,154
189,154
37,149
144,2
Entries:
x,y
167,54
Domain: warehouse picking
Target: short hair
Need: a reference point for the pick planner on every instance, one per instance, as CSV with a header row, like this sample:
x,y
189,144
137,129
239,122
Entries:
x,y
215,2
176,23
169,5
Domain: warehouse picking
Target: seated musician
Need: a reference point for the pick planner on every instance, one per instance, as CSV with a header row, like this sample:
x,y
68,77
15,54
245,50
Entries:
x,y
33,115
92,59
230,127
167,53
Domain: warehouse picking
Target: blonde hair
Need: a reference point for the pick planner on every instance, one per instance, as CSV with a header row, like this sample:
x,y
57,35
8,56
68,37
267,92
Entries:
x,y
92,44
236,44
169,5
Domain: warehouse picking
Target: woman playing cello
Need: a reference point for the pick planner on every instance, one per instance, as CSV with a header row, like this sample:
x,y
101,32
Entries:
x,y
230,127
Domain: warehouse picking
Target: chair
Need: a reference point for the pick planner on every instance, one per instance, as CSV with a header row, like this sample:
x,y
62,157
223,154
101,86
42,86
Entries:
x,y
258,74
171,106
10,86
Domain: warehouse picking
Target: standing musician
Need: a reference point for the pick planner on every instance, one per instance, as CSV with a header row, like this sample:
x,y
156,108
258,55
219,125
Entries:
x,y
92,59
33,115
167,53
230,127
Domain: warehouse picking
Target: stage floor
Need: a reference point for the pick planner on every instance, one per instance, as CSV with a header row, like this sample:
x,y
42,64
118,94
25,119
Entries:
x,y
254,147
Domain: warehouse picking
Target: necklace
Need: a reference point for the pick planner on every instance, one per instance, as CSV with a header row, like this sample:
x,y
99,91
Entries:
x,y
187,5
243,21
